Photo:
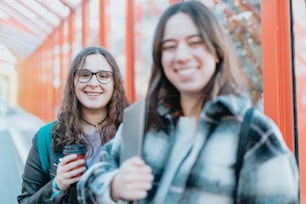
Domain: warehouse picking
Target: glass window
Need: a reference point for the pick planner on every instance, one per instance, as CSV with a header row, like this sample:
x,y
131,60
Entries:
x,y
242,21
93,22
147,13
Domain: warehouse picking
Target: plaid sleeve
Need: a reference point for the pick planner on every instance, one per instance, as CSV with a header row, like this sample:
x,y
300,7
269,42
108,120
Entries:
x,y
269,174
94,184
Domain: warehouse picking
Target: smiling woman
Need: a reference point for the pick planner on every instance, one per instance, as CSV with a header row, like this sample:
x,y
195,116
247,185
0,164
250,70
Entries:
x,y
91,111
197,103
94,93
186,60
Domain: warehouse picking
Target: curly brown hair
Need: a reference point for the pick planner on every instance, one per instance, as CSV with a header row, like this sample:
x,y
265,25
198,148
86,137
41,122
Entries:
x,y
68,128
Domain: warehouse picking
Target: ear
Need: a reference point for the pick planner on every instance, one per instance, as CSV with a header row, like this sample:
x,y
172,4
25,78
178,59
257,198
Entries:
x,y
216,55
216,59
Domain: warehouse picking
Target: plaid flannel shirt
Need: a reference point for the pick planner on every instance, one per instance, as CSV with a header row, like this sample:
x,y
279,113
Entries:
x,y
203,171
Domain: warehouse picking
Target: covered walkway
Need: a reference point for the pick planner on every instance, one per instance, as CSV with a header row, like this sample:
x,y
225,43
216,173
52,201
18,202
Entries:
x,y
38,39
17,128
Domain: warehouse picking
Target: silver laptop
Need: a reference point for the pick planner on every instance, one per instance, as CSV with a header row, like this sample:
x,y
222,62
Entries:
x,y
134,121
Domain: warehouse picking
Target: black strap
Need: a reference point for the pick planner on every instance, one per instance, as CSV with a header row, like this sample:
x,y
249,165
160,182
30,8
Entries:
x,y
242,145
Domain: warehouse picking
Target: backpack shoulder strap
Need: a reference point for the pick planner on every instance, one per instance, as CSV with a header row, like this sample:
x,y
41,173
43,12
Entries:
x,y
242,144
243,137
44,145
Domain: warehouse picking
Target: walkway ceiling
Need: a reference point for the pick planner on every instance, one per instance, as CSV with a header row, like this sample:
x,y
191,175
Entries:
x,y
25,25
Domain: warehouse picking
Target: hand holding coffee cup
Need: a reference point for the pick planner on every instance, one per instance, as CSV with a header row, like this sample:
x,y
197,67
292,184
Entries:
x,y
79,150
72,166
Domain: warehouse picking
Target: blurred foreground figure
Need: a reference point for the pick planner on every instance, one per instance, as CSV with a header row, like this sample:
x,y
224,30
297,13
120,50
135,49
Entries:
x,y
196,107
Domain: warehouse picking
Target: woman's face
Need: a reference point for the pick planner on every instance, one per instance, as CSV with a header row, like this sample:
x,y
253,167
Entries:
x,y
186,62
93,95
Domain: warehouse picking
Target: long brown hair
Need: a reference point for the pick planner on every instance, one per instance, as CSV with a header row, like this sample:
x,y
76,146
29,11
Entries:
x,y
68,128
227,79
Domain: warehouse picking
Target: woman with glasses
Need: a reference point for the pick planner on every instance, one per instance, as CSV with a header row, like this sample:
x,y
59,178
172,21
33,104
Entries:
x,y
91,111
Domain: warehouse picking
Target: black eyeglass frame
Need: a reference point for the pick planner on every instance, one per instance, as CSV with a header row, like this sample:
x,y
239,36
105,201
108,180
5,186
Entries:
x,y
92,74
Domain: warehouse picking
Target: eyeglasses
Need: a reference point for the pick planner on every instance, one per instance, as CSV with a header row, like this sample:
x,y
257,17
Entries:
x,y
103,77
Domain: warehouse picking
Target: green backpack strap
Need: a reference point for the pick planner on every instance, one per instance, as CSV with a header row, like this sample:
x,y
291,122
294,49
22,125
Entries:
x,y
44,145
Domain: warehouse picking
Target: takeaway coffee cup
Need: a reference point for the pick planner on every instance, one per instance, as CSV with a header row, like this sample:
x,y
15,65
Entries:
x,y
78,149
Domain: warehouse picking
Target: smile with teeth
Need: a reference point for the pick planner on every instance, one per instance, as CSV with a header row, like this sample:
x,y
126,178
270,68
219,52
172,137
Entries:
x,y
92,93
185,71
